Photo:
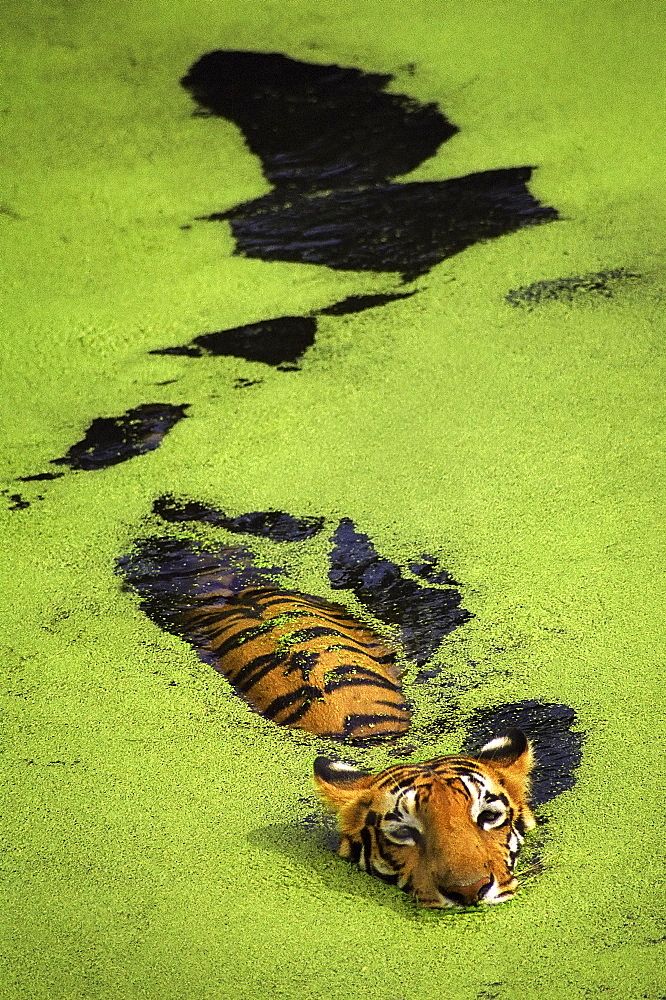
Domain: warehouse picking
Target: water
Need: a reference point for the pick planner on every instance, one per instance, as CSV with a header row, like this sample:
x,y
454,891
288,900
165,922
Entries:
x,y
501,425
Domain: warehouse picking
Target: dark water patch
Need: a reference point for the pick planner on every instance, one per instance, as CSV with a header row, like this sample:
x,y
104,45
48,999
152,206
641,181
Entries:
x,y
568,289
557,750
17,502
427,568
110,440
181,350
424,676
40,477
280,342
172,575
272,341
423,614
317,127
406,228
359,303
274,524
330,140
245,383
491,991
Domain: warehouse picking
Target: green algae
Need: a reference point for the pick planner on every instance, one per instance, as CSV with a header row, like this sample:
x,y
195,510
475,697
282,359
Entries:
x,y
152,839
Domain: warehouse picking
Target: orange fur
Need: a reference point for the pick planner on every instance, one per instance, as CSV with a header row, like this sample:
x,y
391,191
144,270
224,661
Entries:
x,y
447,830
302,662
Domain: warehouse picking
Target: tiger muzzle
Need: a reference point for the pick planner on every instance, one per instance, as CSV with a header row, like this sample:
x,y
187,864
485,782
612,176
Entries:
x,y
468,895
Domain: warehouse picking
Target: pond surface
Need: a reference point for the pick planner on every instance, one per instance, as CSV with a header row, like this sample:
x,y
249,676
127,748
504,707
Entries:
x,y
372,293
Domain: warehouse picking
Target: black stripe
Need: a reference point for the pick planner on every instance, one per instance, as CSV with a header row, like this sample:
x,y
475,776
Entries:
x,y
298,713
352,676
273,599
355,721
309,605
365,649
286,700
367,846
348,681
246,635
202,616
392,862
457,786
400,779
211,622
210,639
389,879
304,661
322,606
463,767
252,672
356,848
348,625
208,635
402,706
321,609
355,668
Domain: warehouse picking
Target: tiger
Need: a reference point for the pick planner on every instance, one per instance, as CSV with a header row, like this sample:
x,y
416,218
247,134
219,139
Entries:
x,y
447,830
303,662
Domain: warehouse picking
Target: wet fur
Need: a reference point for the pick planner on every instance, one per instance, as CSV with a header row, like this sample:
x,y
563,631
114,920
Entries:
x,y
447,830
302,662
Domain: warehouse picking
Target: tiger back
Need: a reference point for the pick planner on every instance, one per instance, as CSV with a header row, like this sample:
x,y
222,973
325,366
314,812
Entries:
x,y
302,662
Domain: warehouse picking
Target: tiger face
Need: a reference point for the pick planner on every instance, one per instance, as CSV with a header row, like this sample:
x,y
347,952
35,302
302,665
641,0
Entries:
x,y
447,831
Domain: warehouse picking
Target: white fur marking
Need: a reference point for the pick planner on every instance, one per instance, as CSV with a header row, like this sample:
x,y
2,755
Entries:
x,y
499,741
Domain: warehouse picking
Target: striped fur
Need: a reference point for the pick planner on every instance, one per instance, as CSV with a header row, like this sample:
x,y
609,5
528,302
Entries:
x,y
447,831
301,662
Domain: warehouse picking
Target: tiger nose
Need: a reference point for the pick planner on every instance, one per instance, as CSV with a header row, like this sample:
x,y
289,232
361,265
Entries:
x,y
468,895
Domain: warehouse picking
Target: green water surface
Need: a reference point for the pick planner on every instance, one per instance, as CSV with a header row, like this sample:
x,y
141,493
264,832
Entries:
x,y
152,837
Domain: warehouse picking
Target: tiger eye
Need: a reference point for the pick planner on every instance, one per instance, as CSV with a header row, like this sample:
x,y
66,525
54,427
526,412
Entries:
x,y
404,835
488,817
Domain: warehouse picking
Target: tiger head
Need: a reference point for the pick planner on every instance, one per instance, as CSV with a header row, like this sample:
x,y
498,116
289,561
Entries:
x,y
447,831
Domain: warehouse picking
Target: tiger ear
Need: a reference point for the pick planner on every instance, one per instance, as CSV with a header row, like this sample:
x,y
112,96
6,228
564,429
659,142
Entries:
x,y
512,757
344,789
512,750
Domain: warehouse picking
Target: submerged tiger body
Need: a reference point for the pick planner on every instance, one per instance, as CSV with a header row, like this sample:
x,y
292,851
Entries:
x,y
447,830
302,662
